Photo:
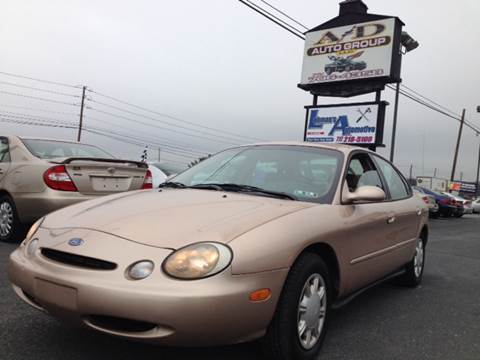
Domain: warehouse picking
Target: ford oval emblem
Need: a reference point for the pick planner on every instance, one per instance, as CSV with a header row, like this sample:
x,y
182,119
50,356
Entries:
x,y
76,242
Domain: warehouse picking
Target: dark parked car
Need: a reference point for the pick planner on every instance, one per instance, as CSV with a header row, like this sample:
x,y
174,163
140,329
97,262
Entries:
x,y
447,205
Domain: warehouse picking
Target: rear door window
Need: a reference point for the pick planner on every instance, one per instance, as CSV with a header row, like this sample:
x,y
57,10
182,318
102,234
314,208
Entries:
x,y
397,186
4,150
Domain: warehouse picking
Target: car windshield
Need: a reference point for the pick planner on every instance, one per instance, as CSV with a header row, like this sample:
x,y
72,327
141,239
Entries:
x,y
51,149
169,169
300,172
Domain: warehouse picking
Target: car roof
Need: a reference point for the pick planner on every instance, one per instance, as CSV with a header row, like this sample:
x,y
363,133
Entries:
x,y
339,147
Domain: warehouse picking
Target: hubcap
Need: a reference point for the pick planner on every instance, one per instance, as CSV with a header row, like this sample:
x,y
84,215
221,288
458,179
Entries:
x,y
418,259
6,219
311,311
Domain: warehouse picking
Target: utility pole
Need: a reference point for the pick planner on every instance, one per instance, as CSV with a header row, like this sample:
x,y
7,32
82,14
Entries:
x,y
394,127
461,175
478,170
411,174
452,177
158,154
81,114
435,173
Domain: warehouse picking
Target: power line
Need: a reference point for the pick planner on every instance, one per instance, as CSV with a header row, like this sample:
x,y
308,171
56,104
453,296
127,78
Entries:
x,y
37,98
162,121
416,99
284,14
27,117
40,80
430,100
133,142
178,152
168,141
44,123
468,124
173,117
37,109
35,123
39,89
272,16
264,13
160,127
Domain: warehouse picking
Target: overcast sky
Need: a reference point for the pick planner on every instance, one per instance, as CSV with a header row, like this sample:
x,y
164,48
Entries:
x,y
219,64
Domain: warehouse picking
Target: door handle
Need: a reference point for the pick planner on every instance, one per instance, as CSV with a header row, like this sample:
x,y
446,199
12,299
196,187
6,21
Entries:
x,y
391,220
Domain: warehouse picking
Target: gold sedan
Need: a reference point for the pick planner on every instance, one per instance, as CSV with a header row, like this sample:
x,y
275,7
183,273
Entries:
x,y
258,241
38,176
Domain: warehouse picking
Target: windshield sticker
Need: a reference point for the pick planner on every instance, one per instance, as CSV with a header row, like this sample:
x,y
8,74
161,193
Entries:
x,y
306,194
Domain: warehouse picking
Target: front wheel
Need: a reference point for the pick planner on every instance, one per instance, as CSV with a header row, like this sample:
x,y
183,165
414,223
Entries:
x,y
414,269
298,327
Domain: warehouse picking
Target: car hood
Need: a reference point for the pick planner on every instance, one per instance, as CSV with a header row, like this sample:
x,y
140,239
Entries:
x,y
172,218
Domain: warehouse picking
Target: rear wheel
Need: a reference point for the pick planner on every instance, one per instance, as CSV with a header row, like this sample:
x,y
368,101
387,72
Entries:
x,y
414,269
10,228
298,328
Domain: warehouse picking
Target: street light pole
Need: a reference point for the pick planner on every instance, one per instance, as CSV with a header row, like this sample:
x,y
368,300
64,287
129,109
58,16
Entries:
x,y
394,127
478,169
452,177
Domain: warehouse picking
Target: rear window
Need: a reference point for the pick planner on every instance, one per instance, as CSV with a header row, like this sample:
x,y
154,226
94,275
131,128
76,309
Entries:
x,y
47,149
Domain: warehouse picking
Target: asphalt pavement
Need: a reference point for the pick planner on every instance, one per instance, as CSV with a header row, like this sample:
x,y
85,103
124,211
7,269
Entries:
x,y
439,320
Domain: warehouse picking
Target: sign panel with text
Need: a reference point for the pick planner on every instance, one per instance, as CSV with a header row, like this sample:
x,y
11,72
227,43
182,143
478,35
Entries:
x,y
355,124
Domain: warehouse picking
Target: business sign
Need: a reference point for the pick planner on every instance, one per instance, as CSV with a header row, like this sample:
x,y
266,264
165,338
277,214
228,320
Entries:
x,y
463,187
358,124
352,52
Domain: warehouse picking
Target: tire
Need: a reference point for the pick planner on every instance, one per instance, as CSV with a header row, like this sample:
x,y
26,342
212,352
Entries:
x,y
11,230
435,215
283,340
446,213
414,269
459,215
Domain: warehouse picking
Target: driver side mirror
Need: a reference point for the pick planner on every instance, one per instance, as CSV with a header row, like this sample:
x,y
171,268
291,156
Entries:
x,y
363,194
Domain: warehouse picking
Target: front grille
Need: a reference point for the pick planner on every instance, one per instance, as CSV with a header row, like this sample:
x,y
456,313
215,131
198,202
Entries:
x,y
120,324
77,260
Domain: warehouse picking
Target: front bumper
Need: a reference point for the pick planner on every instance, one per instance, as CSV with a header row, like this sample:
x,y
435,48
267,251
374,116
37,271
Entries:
x,y
212,311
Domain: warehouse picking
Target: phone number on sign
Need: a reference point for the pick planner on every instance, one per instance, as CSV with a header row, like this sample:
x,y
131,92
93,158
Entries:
x,y
355,139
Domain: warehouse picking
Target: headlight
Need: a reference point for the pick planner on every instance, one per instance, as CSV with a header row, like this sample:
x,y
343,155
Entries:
x,y
140,270
32,247
198,261
34,229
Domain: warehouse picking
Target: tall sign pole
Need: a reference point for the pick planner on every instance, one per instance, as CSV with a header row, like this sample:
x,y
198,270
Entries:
x,y
81,114
452,177
478,171
394,127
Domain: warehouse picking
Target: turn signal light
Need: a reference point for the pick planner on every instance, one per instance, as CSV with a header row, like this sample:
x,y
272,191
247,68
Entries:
x,y
148,182
57,178
260,295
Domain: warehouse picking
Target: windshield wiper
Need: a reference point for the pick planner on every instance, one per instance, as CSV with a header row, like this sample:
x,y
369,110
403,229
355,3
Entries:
x,y
207,187
244,188
173,184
